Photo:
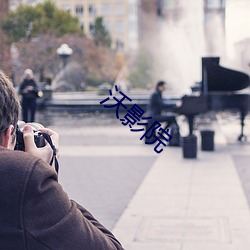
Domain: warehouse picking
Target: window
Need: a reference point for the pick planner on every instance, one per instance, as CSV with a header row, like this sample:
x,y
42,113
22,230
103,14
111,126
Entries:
x,y
107,25
91,27
82,26
119,27
106,8
67,8
79,10
92,10
119,9
119,44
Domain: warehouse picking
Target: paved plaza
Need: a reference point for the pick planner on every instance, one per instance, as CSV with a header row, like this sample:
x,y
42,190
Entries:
x,y
159,201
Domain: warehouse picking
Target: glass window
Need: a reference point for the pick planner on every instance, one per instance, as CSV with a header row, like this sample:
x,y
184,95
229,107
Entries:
x,y
67,8
91,27
119,9
119,44
107,25
119,26
92,10
106,9
82,26
79,10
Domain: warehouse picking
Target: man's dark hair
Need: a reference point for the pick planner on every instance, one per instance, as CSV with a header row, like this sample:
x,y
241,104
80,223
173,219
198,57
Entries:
x,y
159,84
9,104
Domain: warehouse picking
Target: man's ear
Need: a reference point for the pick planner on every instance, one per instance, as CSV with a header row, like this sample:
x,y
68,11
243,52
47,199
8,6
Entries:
x,y
7,140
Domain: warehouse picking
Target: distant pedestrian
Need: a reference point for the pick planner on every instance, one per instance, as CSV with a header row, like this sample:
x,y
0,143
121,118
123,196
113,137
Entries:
x,y
29,91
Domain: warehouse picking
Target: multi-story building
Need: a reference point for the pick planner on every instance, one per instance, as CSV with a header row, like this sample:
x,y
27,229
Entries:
x,y
208,13
147,10
120,18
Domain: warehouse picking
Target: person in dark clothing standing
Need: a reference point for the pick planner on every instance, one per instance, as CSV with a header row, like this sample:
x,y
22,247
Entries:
x,y
29,91
155,108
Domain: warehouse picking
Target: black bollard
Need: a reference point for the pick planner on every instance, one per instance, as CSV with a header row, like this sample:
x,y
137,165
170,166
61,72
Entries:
x,y
207,140
189,146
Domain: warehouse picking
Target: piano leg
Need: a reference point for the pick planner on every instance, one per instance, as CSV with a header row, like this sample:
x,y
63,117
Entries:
x,y
190,123
241,137
243,114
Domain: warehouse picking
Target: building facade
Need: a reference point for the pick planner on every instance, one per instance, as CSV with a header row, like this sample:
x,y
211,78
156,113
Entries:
x,y
175,11
120,18
15,3
147,10
5,63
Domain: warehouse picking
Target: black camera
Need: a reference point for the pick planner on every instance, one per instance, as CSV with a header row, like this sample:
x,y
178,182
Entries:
x,y
38,137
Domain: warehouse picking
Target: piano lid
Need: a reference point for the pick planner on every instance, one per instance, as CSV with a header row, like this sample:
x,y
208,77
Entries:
x,y
218,78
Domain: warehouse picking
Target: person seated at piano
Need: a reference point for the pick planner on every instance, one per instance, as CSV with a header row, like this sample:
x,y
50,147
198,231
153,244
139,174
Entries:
x,y
155,108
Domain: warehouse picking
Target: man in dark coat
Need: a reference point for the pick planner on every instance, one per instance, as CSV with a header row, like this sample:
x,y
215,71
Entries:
x,y
35,212
156,105
29,91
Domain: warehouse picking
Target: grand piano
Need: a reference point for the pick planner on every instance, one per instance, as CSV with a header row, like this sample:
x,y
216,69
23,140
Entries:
x,y
220,89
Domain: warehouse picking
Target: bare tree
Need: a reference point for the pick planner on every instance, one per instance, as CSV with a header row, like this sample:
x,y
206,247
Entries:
x,y
97,62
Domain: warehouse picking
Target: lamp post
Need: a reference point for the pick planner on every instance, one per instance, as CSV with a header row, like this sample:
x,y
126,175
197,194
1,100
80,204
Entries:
x,y
64,51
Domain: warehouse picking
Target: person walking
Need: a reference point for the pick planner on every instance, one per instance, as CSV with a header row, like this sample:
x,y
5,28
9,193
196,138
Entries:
x,y
29,92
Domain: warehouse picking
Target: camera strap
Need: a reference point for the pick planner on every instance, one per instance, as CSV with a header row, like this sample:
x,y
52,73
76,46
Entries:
x,y
48,139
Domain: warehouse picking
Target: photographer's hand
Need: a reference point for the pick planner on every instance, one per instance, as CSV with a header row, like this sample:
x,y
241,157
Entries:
x,y
45,153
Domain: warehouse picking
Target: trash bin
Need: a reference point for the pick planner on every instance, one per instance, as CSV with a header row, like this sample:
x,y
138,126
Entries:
x,y
189,146
207,140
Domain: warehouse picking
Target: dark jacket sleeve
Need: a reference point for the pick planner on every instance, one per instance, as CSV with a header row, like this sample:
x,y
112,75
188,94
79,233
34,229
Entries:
x,y
26,83
52,221
35,86
155,104
156,100
21,88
